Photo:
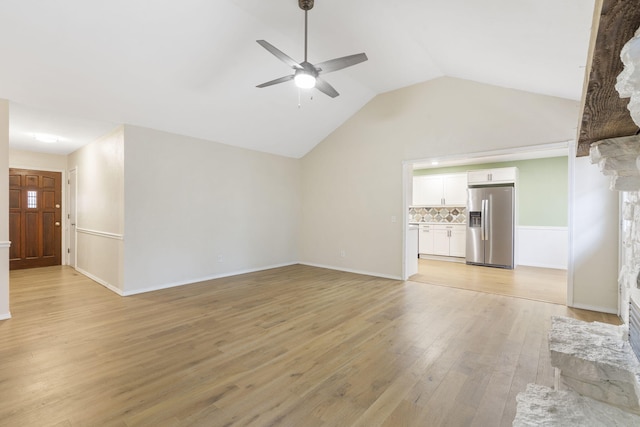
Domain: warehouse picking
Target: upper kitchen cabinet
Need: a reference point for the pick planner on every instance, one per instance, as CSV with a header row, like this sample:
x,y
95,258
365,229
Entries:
x,y
440,190
492,176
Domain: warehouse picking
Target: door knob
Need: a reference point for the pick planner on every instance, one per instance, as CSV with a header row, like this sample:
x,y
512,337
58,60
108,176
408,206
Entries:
x,y
57,224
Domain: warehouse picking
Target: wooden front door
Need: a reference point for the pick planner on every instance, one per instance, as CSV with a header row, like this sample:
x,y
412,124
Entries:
x,y
35,218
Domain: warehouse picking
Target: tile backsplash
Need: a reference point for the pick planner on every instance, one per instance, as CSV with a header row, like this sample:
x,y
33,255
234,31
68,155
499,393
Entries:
x,y
453,215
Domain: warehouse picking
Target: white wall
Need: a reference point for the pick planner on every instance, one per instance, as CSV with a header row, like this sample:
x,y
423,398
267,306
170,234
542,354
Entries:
x,y
198,209
4,210
100,209
595,224
352,181
38,161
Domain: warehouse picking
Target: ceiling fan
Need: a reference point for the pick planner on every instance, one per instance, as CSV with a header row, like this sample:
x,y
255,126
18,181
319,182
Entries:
x,y
307,75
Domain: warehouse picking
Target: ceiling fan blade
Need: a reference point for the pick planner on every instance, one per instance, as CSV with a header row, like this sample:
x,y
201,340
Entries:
x,y
276,81
340,63
279,54
326,88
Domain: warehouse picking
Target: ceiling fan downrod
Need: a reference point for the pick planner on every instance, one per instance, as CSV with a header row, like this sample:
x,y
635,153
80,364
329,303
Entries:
x,y
305,5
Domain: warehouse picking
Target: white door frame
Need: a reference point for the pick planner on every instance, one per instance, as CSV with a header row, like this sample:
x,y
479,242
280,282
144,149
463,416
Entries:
x,y
72,187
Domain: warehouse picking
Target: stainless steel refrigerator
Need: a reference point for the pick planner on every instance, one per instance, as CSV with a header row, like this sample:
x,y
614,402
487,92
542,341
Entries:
x,y
490,229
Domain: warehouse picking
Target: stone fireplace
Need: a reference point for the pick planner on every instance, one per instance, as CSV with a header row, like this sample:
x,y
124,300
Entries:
x,y
598,365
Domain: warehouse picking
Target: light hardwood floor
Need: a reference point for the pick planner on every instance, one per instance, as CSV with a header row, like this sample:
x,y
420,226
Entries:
x,y
293,346
540,284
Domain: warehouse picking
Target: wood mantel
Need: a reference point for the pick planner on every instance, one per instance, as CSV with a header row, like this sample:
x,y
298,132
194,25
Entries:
x,y
604,113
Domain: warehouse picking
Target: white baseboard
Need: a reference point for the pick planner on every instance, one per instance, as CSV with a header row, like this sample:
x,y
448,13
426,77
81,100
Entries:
x,y
443,258
5,316
223,275
595,308
100,281
202,279
349,270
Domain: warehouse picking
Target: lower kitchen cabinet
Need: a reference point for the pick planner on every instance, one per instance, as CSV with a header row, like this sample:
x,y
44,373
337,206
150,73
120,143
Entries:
x,y
444,240
458,242
425,239
441,241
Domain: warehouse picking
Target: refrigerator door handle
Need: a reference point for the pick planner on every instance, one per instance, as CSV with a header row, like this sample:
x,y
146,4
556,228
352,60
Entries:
x,y
487,213
482,219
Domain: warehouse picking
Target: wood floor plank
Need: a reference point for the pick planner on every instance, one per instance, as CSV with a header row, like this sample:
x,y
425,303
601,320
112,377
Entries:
x,y
291,346
540,284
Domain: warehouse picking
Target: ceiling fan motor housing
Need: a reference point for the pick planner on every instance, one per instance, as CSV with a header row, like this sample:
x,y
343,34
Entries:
x,y
305,4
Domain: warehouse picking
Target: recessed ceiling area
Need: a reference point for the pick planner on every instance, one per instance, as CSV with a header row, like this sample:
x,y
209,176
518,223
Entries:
x,y
191,67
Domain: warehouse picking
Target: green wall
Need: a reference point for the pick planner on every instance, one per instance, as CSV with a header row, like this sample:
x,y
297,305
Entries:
x,y
542,188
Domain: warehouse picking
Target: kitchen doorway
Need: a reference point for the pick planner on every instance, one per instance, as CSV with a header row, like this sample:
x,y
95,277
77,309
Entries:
x,y
540,274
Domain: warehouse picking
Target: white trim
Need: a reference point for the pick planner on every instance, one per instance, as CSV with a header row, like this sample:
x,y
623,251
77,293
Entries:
x,y
349,270
100,281
5,316
594,308
542,227
100,233
71,231
6,244
459,260
407,186
202,279
570,213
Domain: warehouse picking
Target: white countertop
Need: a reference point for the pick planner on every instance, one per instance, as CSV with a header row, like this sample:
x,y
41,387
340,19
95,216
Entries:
x,y
437,223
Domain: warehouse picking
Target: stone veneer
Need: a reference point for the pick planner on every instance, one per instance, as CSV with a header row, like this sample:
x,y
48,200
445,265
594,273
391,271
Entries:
x,y
448,215
595,360
619,159
542,406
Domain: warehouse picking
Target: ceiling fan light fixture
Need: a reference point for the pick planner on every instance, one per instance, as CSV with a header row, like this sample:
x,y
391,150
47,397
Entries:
x,y
307,75
304,80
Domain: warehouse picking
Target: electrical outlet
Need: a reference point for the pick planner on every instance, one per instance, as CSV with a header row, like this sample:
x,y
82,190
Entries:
x,y
343,253
394,219
220,258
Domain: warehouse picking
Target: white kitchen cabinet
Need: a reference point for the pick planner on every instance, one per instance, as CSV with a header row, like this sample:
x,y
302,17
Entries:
x,y
425,239
454,189
443,239
458,242
427,190
492,176
440,190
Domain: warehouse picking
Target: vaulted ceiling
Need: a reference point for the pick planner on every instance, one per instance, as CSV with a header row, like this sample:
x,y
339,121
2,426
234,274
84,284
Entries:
x,y
75,68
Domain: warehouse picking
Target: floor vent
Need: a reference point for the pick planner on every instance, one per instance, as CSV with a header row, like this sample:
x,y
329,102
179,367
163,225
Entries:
x,y
634,327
